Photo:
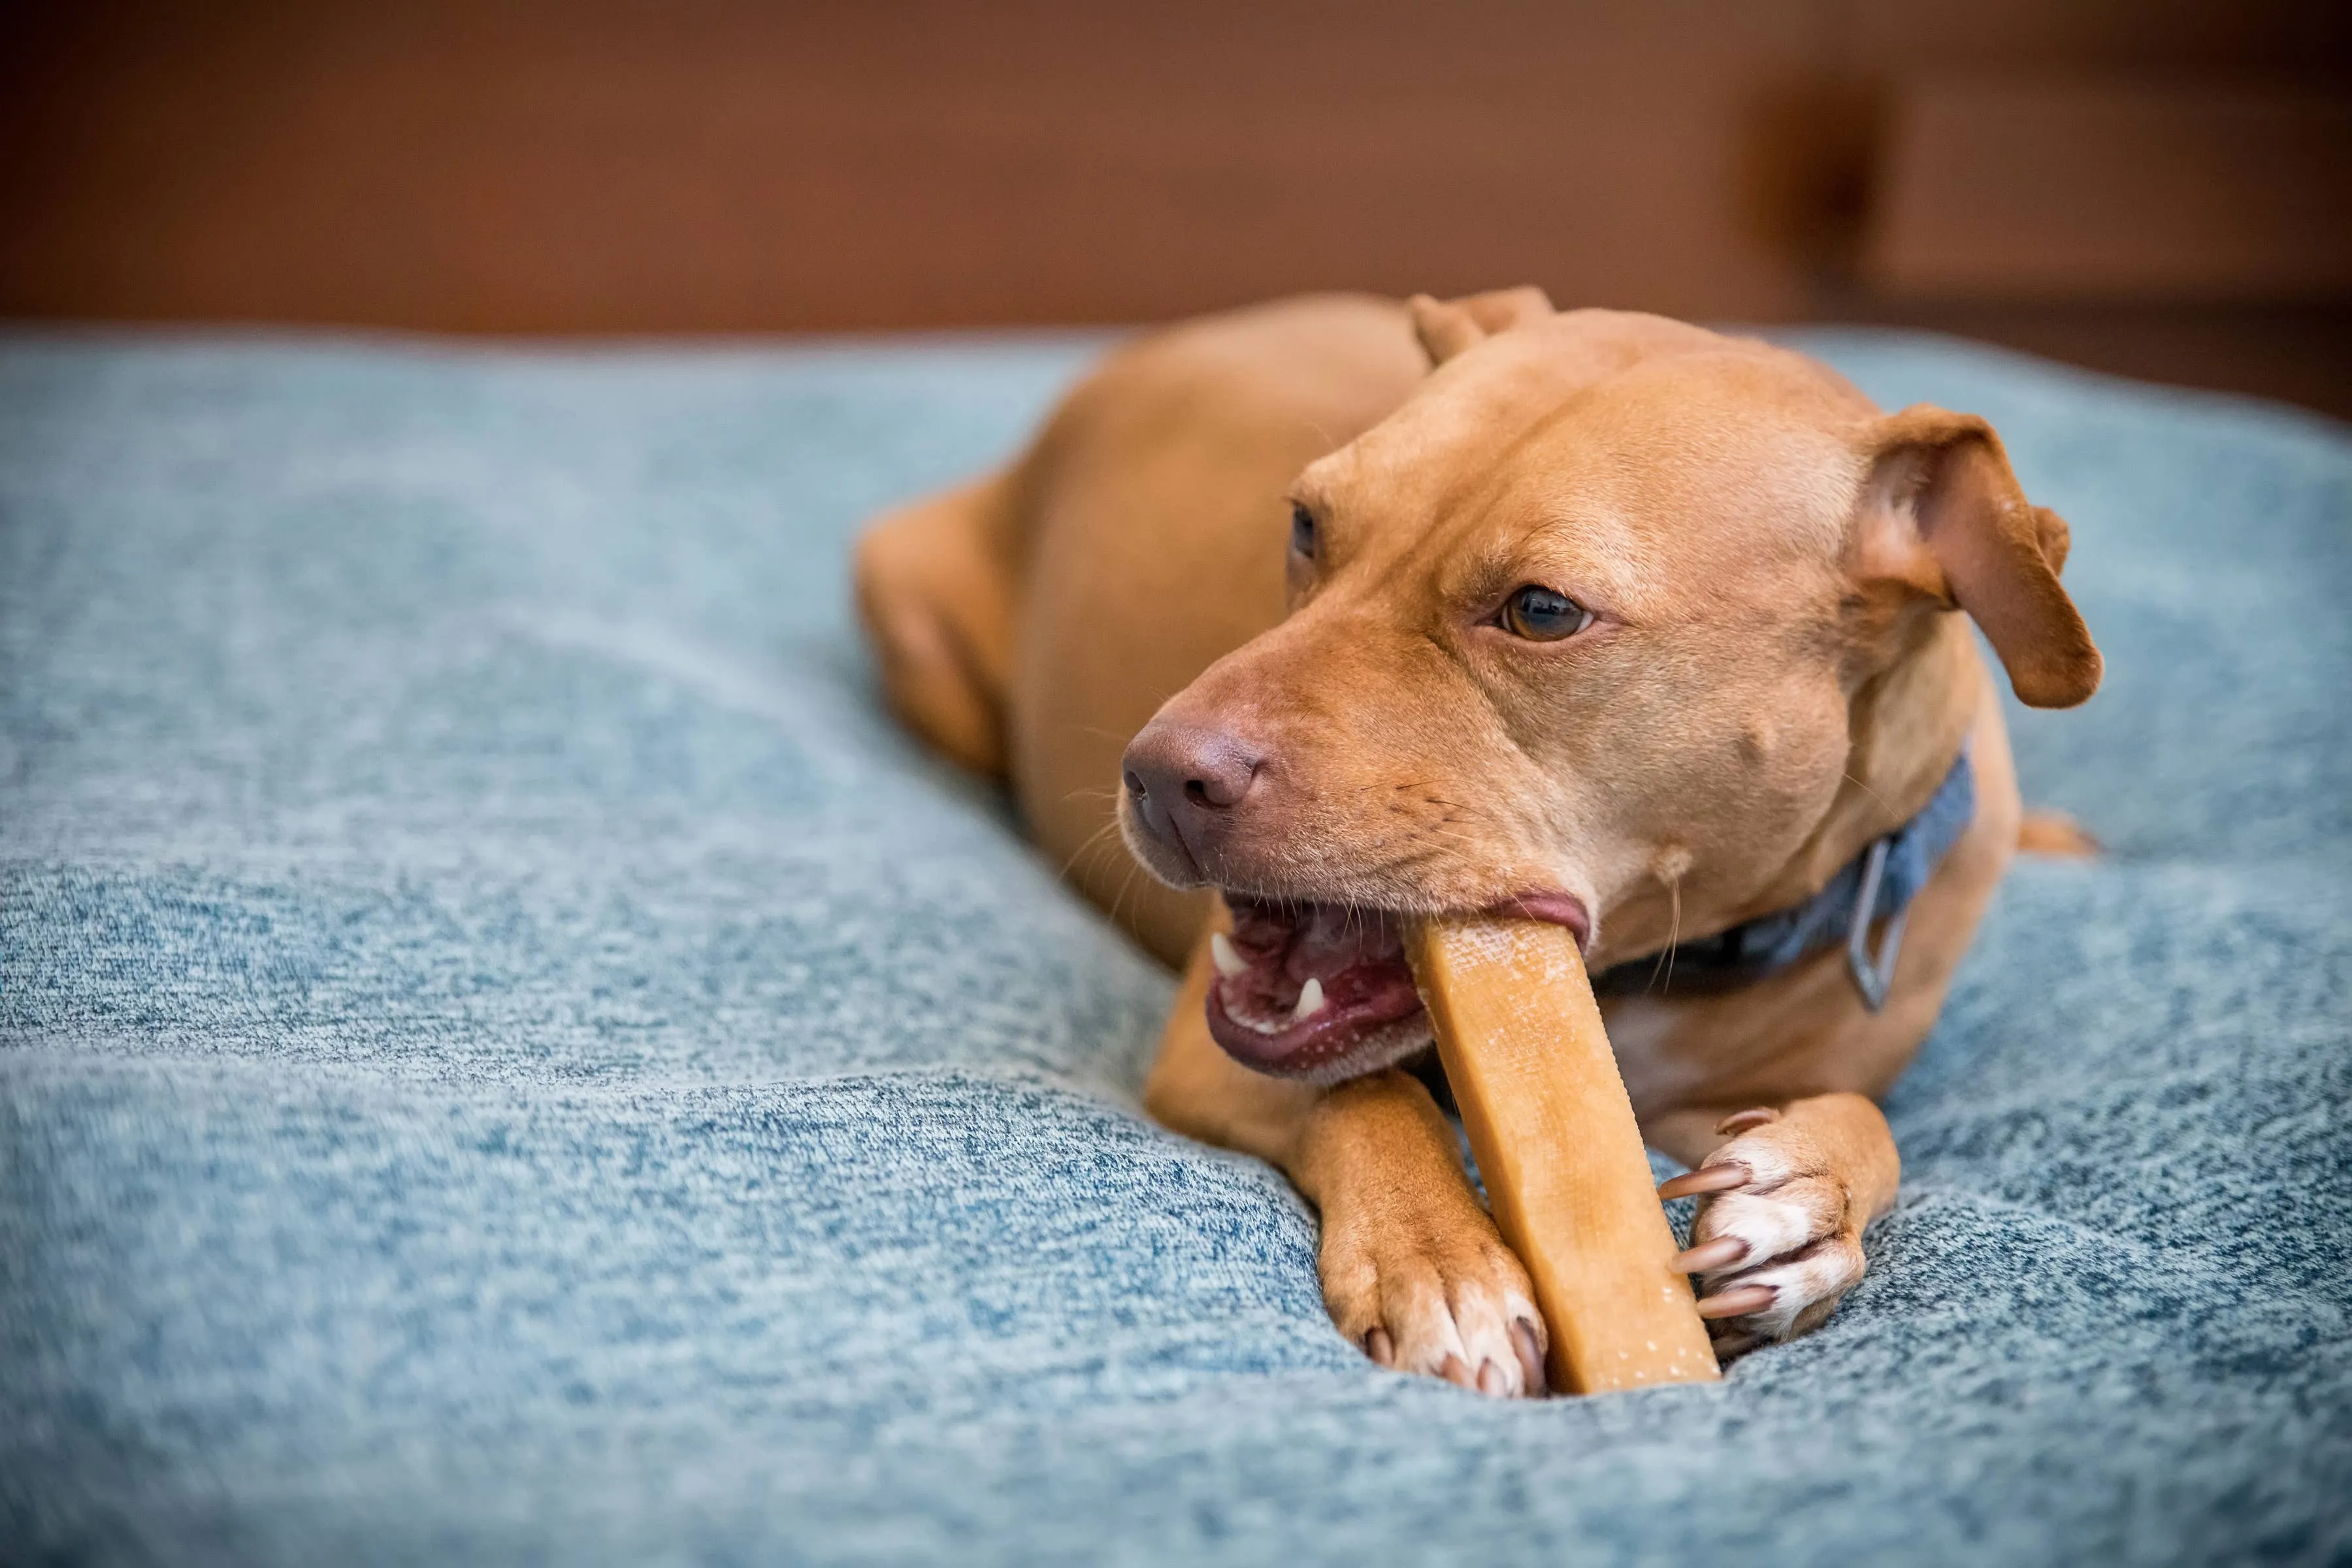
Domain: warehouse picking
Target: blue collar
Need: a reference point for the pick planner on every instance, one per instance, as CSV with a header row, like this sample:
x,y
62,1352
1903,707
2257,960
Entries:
x,y
1876,885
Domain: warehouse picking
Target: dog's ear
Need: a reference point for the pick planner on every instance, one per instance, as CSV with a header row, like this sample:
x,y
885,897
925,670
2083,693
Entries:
x,y
1446,327
1942,514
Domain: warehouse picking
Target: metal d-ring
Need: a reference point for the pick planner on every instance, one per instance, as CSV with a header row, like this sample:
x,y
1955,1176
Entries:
x,y
1874,974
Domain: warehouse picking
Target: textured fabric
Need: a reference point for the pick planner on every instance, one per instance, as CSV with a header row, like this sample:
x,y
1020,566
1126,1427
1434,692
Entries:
x,y
1752,950
507,1055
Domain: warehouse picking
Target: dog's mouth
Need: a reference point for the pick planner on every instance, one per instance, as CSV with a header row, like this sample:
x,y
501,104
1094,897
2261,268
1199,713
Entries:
x,y
1323,992
1315,990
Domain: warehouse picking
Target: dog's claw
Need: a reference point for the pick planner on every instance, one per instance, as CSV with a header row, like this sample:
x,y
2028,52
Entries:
x,y
1439,1297
1531,1362
1494,1382
1739,1301
1708,1257
1740,1121
1715,1178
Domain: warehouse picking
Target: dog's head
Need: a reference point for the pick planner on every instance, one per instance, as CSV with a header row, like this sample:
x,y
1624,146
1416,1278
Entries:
x,y
1585,620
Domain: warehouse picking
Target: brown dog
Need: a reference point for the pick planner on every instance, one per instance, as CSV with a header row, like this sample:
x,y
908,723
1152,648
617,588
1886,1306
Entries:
x,y
1598,618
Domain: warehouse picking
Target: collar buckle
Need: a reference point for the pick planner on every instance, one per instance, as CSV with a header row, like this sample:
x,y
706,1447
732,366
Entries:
x,y
1873,973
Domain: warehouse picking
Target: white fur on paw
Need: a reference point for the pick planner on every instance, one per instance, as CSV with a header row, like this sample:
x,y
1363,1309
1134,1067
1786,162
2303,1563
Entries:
x,y
1800,1284
1781,1221
1803,1240
1458,1300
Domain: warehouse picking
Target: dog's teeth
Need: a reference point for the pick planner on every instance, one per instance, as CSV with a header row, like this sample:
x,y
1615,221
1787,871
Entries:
x,y
1310,1000
1221,953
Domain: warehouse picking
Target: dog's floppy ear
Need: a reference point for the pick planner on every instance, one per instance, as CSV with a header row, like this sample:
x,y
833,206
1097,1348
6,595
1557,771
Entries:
x,y
1446,327
1942,514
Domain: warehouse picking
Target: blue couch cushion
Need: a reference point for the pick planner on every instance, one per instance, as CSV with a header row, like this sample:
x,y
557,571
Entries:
x,y
506,1053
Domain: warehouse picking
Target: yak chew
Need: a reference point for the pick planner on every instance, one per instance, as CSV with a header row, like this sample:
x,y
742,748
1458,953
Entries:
x,y
1561,1155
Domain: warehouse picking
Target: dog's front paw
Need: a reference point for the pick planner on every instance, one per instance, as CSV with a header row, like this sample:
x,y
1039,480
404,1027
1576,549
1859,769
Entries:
x,y
1777,1241
1439,1295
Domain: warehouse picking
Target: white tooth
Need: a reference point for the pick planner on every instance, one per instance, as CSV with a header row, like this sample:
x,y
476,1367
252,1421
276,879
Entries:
x,y
1221,953
1310,1000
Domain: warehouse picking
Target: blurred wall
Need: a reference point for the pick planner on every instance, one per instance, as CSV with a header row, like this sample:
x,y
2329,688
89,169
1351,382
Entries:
x,y
529,165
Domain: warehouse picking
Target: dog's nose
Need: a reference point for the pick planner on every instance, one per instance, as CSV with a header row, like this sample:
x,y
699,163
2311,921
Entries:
x,y
1183,781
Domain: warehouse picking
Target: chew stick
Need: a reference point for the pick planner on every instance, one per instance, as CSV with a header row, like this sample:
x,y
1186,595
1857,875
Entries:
x,y
1554,1133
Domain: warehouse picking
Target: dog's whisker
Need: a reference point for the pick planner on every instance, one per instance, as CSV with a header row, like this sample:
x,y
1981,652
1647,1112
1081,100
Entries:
x,y
1674,937
1126,885
1877,798
1091,841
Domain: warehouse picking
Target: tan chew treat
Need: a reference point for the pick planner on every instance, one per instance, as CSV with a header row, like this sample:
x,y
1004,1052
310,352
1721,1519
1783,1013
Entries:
x,y
1557,1143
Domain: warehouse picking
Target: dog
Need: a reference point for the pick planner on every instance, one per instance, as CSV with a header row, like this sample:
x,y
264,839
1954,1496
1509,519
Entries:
x,y
1341,610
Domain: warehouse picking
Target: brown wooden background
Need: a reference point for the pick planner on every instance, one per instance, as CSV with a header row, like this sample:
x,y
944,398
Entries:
x,y
2159,186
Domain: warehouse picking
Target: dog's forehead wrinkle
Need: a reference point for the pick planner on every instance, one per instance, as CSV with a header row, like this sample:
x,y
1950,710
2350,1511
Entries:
x,y
1629,478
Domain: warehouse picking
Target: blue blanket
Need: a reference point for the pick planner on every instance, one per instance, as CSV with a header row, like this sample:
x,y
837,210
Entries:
x,y
507,1055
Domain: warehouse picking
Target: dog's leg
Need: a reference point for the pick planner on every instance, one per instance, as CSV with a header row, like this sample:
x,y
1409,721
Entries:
x,y
1412,1268
1787,1192
937,598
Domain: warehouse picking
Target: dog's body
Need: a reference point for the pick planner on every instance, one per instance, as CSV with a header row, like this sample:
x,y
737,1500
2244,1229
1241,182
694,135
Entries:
x,y
1608,621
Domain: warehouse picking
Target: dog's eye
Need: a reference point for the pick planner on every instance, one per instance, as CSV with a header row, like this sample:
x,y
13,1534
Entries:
x,y
1540,615
1302,531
